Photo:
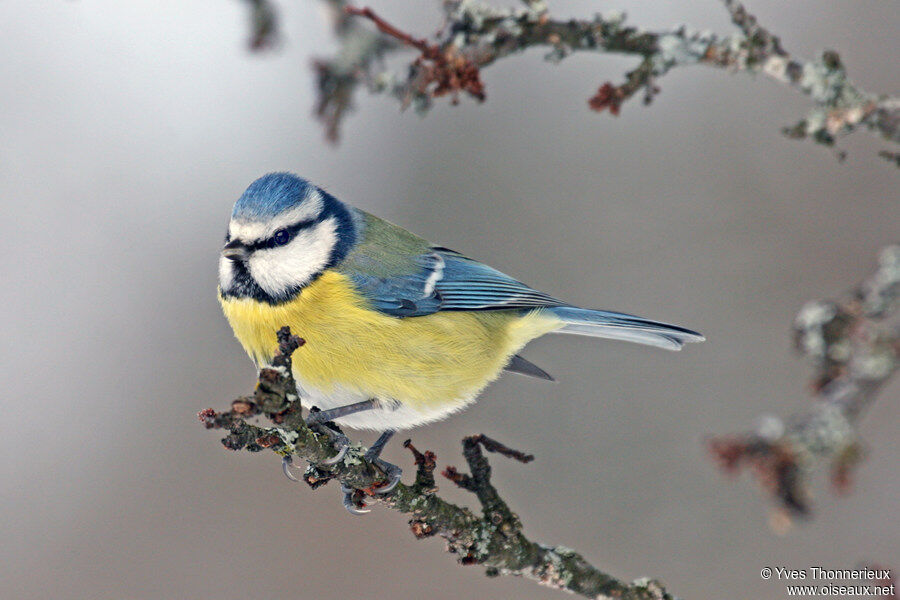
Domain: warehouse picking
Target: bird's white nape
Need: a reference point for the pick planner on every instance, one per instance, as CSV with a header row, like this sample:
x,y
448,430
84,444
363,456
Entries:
x,y
283,268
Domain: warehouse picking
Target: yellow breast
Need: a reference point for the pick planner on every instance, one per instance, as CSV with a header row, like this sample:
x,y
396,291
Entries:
x,y
421,362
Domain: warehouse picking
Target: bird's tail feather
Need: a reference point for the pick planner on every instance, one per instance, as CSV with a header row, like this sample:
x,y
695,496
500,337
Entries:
x,y
619,326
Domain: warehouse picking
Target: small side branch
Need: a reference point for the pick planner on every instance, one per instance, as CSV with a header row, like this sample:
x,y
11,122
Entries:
x,y
854,345
438,71
493,539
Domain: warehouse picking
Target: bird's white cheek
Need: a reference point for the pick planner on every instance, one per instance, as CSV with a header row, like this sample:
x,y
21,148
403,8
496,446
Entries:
x,y
281,270
226,274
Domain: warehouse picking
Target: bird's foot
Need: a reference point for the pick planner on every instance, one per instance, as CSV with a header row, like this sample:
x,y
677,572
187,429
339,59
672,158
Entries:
x,y
320,421
338,439
391,471
353,499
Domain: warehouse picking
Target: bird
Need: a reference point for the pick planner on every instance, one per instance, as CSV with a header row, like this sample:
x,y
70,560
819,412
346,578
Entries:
x,y
399,332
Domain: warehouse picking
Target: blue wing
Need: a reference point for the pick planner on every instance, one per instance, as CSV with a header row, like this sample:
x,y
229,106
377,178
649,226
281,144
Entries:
x,y
403,275
467,284
406,295
446,280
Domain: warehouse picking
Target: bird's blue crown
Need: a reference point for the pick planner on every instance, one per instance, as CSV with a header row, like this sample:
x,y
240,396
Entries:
x,y
272,194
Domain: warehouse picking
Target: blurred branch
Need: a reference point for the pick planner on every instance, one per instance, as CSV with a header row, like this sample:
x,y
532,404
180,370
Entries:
x,y
359,60
476,34
854,345
263,25
493,539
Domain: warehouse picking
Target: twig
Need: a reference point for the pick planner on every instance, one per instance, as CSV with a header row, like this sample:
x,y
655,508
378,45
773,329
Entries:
x,y
429,51
439,71
494,539
854,345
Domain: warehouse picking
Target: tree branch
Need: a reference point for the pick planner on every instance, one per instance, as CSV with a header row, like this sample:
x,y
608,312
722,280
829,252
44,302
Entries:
x,y
475,35
493,539
854,345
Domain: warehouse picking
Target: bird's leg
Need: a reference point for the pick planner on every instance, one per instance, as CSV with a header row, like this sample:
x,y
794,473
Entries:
x,y
375,449
323,416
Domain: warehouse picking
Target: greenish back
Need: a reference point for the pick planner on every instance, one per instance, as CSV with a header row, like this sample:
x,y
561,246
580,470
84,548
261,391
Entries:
x,y
384,249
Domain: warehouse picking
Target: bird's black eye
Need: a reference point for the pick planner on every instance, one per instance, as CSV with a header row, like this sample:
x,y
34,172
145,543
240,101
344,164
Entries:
x,y
281,237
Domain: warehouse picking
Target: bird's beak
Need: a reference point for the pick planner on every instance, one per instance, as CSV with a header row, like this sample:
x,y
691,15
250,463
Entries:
x,y
235,250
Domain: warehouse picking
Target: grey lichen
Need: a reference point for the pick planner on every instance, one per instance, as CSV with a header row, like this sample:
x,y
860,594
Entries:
x,y
880,294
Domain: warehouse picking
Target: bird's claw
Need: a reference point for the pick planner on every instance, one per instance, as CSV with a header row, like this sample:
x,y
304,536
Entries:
x,y
340,441
393,473
350,504
287,465
343,443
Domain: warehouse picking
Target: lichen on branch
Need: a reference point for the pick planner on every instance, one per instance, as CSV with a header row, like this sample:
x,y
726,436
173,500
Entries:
x,y
493,538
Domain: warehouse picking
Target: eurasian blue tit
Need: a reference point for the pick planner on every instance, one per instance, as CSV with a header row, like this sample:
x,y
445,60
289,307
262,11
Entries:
x,y
399,332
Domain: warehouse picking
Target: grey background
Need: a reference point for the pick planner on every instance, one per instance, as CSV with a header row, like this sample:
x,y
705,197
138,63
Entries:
x,y
129,128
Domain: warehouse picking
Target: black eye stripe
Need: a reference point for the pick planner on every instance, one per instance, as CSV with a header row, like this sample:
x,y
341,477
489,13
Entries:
x,y
291,231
